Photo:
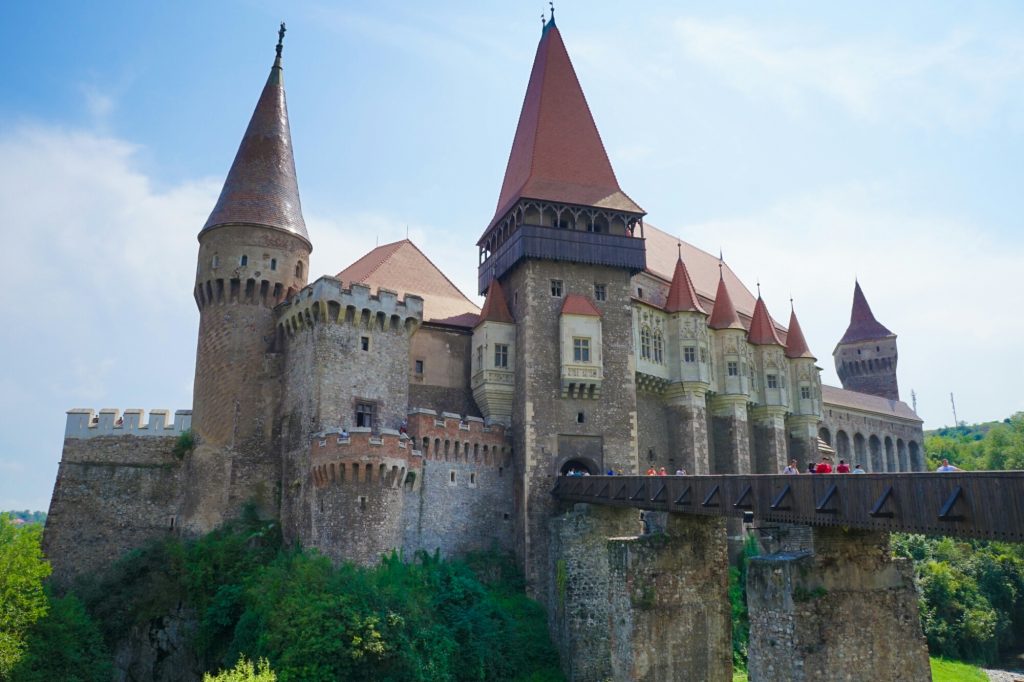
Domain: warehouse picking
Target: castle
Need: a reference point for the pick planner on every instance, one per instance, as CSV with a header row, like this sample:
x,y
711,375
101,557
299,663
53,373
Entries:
x,y
381,409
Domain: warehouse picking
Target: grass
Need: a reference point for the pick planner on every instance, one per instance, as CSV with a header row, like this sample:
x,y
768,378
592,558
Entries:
x,y
942,671
954,671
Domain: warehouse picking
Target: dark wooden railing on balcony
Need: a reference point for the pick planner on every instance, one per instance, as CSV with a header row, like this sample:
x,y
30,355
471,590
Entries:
x,y
987,504
549,243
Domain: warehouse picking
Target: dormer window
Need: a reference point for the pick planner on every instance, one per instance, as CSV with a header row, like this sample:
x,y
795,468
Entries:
x,y
243,261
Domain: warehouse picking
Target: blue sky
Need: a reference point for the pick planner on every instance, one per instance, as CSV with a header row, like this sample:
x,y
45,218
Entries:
x,y
811,142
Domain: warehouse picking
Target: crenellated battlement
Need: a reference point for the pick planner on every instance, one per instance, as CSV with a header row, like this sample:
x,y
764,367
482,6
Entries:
x,y
451,437
85,423
387,458
327,301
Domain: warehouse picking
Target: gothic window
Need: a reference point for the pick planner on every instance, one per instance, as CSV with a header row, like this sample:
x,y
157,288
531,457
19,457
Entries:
x,y
600,292
645,342
243,261
772,380
365,413
580,349
556,287
733,368
273,264
501,355
658,343
689,354
805,393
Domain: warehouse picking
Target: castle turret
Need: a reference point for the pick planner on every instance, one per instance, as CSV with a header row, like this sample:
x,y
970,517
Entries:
x,y
805,400
253,251
563,243
771,392
493,361
866,355
691,372
733,360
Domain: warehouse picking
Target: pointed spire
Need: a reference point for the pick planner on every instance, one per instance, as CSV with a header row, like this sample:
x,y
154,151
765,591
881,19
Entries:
x,y
682,297
495,307
557,153
723,314
261,187
762,331
796,344
863,325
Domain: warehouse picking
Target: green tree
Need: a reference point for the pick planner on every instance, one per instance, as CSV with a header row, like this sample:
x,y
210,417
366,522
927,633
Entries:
x,y
244,671
65,645
22,599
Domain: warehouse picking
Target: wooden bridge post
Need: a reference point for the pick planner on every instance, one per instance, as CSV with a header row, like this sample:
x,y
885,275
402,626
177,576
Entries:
x,y
670,611
847,611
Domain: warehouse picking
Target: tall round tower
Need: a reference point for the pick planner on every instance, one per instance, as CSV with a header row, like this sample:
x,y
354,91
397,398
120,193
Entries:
x,y
253,252
866,355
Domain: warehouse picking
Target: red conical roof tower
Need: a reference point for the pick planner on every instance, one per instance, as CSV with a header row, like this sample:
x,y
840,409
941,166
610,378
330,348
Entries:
x,y
495,308
796,344
723,314
682,297
261,187
762,331
863,325
557,154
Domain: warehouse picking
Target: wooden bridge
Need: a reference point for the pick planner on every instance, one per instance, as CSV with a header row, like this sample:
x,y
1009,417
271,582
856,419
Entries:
x,y
987,505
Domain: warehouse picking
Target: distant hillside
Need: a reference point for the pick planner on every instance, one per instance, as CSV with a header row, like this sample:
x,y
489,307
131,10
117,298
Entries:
x,y
27,516
989,445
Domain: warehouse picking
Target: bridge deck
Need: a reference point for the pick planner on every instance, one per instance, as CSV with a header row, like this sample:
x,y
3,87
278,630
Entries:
x,y
988,505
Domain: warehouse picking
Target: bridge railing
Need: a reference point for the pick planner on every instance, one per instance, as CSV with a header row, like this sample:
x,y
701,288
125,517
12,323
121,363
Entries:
x,y
987,504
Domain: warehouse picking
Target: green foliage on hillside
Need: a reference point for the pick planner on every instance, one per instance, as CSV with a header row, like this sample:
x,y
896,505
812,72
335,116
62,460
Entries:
x,y
993,445
426,619
66,645
738,601
28,516
244,671
22,599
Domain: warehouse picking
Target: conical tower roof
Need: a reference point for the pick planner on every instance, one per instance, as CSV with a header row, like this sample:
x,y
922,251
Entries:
x,y
796,344
557,154
261,187
682,297
762,331
495,308
723,314
863,325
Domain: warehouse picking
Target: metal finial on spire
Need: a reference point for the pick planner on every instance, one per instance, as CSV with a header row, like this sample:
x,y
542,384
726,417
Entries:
x,y
280,39
679,247
543,22
552,3
759,287
791,302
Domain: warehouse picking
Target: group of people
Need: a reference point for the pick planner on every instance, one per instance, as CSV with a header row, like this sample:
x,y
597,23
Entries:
x,y
824,467
651,471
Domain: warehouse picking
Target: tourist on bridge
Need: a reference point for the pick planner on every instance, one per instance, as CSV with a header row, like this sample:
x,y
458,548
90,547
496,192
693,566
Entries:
x,y
843,467
858,469
946,466
791,468
651,471
824,466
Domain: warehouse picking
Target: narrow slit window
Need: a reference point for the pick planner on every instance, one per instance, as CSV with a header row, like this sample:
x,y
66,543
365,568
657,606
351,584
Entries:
x,y
273,264
244,260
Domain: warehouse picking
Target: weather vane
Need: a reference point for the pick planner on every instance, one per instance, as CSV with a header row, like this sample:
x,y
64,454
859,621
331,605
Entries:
x,y
280,39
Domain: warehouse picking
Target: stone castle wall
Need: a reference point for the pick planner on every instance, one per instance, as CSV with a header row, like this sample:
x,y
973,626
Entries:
x,y
113,493
878,443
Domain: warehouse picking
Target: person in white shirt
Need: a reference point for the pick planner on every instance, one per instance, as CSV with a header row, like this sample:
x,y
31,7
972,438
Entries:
x,y
858,469
792,468
946,466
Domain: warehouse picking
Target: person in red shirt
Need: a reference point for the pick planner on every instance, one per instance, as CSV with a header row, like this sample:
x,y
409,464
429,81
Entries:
x,y
651,472
823,467
662,472
843,467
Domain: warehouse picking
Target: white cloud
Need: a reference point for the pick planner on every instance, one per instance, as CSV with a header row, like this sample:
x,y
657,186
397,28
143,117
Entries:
x,y
958,81
942,285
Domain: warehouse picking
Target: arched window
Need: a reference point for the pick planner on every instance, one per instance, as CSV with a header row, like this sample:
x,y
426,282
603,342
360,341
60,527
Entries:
x,y
659,347
298,269
645,342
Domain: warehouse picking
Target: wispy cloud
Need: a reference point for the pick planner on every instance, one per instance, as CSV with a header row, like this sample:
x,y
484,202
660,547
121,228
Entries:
x,y
957,81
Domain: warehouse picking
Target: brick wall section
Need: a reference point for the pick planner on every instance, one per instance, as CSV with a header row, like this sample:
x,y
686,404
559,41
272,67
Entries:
x,y
541,418
846,612
670,613
852,422
578,585
112,494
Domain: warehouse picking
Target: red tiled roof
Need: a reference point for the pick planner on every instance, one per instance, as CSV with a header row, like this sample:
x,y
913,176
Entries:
x,y
402,267
796,344
863,325
723,315
495,307
831,395
261,187
557,153
577,304
762,331
681,294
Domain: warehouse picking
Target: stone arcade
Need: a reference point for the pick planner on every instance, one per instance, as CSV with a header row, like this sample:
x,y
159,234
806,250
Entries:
x,y
381,409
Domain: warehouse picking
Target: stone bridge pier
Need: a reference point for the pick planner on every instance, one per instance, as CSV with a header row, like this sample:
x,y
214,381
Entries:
x,y
846,611
651,607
